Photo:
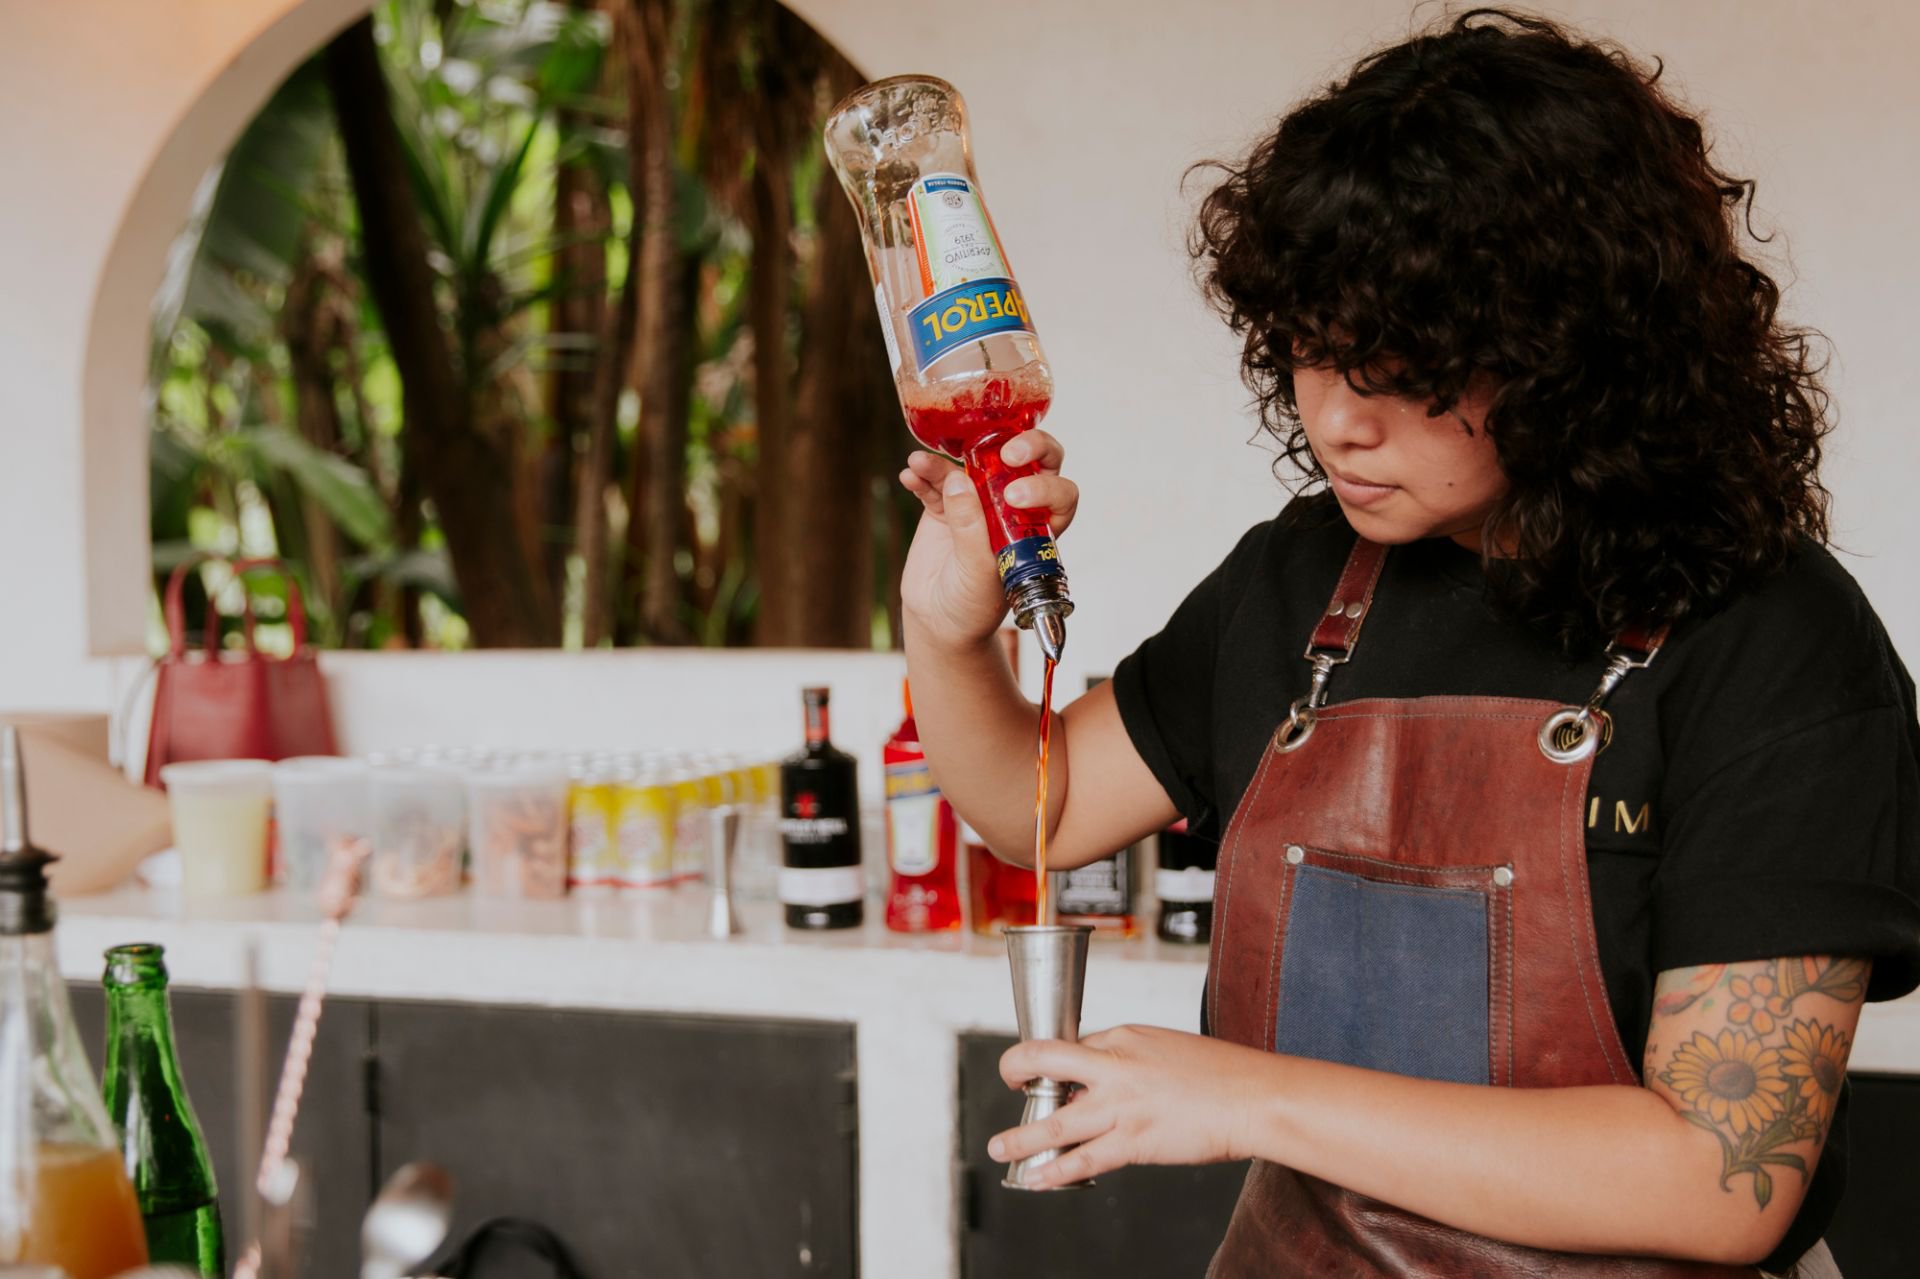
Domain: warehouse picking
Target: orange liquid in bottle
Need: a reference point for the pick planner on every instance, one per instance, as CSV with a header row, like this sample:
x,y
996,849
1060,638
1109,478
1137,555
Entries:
x,y
84,1217
1044,915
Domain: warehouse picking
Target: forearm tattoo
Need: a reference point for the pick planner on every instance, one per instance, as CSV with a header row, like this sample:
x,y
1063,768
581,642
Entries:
x,y
1755,1054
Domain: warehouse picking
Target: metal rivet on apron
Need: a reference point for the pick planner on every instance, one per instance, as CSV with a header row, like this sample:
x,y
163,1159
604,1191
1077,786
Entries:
x,y
1295,854
1503,876
1355,609
1337,607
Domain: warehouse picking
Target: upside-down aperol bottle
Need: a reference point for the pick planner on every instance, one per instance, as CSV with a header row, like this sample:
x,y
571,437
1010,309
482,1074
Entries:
x,y
966,362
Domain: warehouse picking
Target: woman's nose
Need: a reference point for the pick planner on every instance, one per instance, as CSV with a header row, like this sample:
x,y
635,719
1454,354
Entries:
x,y
1349,419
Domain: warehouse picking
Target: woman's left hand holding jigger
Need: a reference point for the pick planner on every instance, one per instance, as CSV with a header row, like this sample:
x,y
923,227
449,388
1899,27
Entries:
x,y
1147,1096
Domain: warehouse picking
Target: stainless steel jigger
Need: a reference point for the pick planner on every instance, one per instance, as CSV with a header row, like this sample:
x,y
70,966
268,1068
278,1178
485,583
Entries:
x,y
1049,965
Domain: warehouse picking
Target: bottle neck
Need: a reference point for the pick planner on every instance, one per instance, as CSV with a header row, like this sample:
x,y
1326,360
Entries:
x,y
144,1092
139,1022
817,725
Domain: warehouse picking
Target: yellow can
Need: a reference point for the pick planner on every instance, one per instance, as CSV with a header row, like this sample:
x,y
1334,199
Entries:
x,y
644,831
592,861
692,799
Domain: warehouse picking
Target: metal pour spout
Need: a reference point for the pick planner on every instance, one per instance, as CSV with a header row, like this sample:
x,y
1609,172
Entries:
x,y
1041,605
13,793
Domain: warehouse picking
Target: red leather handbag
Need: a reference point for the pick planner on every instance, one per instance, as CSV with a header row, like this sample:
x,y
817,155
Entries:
x,y
242,705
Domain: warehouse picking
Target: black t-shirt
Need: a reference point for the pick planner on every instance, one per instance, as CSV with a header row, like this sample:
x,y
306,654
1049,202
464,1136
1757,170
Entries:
x,y
1760,796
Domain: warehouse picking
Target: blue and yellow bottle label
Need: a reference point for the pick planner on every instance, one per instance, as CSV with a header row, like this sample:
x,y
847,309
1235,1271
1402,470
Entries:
x,y
1028,558
963,313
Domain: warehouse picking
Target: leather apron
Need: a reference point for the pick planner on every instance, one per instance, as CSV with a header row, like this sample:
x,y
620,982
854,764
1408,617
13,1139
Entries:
x,y
1404,887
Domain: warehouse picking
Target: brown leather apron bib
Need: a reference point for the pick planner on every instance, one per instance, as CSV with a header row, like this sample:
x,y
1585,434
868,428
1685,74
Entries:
x,y
1404,887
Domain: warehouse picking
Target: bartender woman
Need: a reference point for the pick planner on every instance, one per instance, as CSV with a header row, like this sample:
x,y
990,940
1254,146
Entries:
x,y
1566,785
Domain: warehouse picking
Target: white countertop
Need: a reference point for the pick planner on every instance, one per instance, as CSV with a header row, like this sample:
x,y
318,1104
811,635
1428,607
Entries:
x,y
642,952
906,996
650,952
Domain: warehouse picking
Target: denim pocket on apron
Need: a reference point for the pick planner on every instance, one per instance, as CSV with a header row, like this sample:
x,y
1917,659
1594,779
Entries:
x,y
1395,967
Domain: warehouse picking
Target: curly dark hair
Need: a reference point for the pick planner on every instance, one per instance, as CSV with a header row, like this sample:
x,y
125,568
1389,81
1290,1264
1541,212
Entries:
x,y
1502,198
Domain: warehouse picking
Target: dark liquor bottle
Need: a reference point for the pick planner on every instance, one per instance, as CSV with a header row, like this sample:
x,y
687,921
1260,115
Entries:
x,y
166,1155
1184,883
1100,893
820,879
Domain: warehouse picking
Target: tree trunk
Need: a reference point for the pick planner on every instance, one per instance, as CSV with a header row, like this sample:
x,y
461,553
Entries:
x,y
770,222
467,476
590,535
830,541
309,326
660,354
593,337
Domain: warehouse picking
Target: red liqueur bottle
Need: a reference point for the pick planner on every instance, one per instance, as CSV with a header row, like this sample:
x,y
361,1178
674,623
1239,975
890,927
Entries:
x,y
966,361
922,838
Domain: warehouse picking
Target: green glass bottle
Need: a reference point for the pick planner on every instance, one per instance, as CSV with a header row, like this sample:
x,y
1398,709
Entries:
x,y
165,1153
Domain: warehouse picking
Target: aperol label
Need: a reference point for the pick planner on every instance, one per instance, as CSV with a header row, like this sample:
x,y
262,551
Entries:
x,y
963,313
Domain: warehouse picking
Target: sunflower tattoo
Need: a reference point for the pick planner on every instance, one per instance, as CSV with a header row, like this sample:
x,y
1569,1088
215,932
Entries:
x,y
1762,1081
1731,1079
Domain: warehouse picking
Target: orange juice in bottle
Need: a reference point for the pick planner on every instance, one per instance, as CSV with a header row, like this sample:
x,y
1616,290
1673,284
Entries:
x,y
81,1213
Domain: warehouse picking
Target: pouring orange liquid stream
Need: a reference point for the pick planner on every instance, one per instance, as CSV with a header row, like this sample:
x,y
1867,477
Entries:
x,y
1044,914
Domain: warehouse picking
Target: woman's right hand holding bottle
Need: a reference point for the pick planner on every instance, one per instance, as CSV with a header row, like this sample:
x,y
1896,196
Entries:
x,y
950,588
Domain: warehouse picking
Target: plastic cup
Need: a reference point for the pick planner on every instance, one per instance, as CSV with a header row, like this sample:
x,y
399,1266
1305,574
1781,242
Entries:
x,y
417,814
318,801
517,828
220,809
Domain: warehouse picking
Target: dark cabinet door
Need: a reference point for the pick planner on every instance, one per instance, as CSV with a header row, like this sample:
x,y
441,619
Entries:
x,y
1875,1234
652,1146
332,1137
1138,1221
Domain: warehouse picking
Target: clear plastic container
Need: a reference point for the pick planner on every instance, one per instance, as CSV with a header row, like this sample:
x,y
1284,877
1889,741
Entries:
x,y
418,816
517,827
319,801
220,809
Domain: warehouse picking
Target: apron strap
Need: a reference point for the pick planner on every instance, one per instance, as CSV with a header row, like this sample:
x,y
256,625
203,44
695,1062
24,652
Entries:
x,y
1567,737
1575,732
1339,626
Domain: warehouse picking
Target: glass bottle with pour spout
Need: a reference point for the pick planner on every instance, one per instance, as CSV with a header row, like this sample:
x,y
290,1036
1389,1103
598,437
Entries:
x,y
64,1196
966,361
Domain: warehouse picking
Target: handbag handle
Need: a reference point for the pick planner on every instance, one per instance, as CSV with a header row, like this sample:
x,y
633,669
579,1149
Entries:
x,y
176,612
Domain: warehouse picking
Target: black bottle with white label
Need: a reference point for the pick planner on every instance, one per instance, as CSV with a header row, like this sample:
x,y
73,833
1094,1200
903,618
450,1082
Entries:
x,y
1183,881
821,884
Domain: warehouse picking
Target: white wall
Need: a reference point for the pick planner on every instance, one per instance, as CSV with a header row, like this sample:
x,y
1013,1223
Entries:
x,y
1086,113
110,114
